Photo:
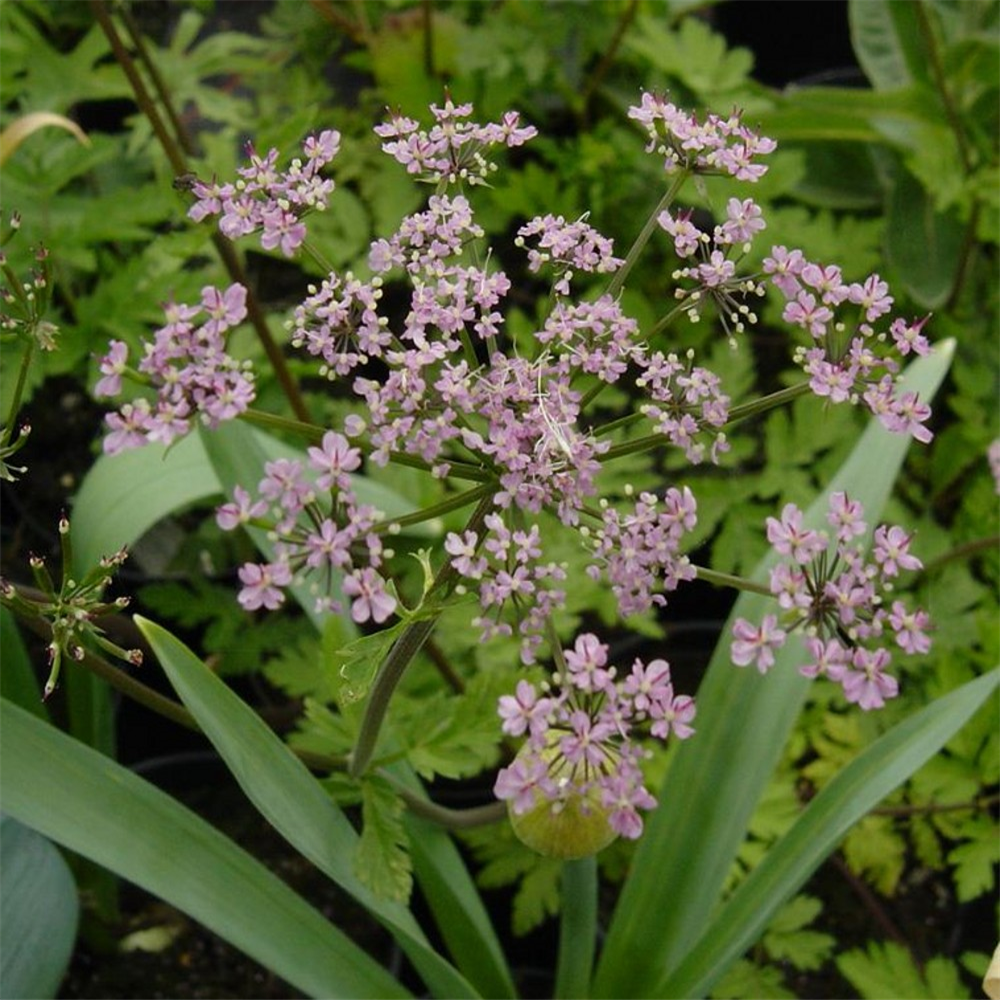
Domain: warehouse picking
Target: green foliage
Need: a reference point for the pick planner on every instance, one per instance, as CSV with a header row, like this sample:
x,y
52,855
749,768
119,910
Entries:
x,y
789,939
888,970
900,180
747,979
382,861
231,647
506,861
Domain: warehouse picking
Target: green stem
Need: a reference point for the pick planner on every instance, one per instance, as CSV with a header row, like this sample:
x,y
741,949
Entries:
x,y
646,443
22,377
153,700
321,261
765,403
961,552
608,57
399,658
456,502
451,819
941,82
577,929
458,470
159,84
614,425
223,247
274,422
618,280
727,580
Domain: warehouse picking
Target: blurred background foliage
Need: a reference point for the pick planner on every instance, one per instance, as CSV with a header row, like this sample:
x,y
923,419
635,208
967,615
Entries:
x,y
888,161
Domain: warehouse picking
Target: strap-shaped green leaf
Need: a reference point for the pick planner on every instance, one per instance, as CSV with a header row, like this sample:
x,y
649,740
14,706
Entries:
x,y
39,909
288,796
124,495
715,781
871,776
93,806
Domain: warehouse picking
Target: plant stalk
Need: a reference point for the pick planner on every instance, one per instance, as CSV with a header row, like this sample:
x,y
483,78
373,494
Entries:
x,y
577,929
728,580
223,247
400,657
618,279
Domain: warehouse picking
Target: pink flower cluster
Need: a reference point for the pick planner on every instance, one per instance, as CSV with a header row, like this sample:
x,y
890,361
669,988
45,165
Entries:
x,y
188,366
713,146
270,200
848,360
569,247
688,402
828,588
313,536
582,734
508,569
639,551
452,150
716,277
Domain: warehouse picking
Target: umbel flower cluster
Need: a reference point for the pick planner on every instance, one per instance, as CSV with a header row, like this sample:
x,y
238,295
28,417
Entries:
x,y
579,770
826,587
442,385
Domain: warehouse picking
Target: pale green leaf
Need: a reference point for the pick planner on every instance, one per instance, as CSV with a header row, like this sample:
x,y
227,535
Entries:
x,y
743,724
537,897
96,807
888,970
875,850
887,41
39,910
289,797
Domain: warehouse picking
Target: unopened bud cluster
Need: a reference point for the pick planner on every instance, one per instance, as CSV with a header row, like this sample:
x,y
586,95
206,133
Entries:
x,y
72,609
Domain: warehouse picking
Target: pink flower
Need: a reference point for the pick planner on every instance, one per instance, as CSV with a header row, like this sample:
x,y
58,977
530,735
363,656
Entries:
x,y
113,366
524,710
586,661
910,628
242,510
891,550
261,585
846,516
673,714
790,539
334,458
827,659
225,309
371,601
865,683
757,646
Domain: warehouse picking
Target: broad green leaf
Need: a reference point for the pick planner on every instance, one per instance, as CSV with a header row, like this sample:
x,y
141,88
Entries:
x,y
289,797
97,808
715,780
924,245
457,907
887,41
842,115
39,910
885,765
18,682
124,495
